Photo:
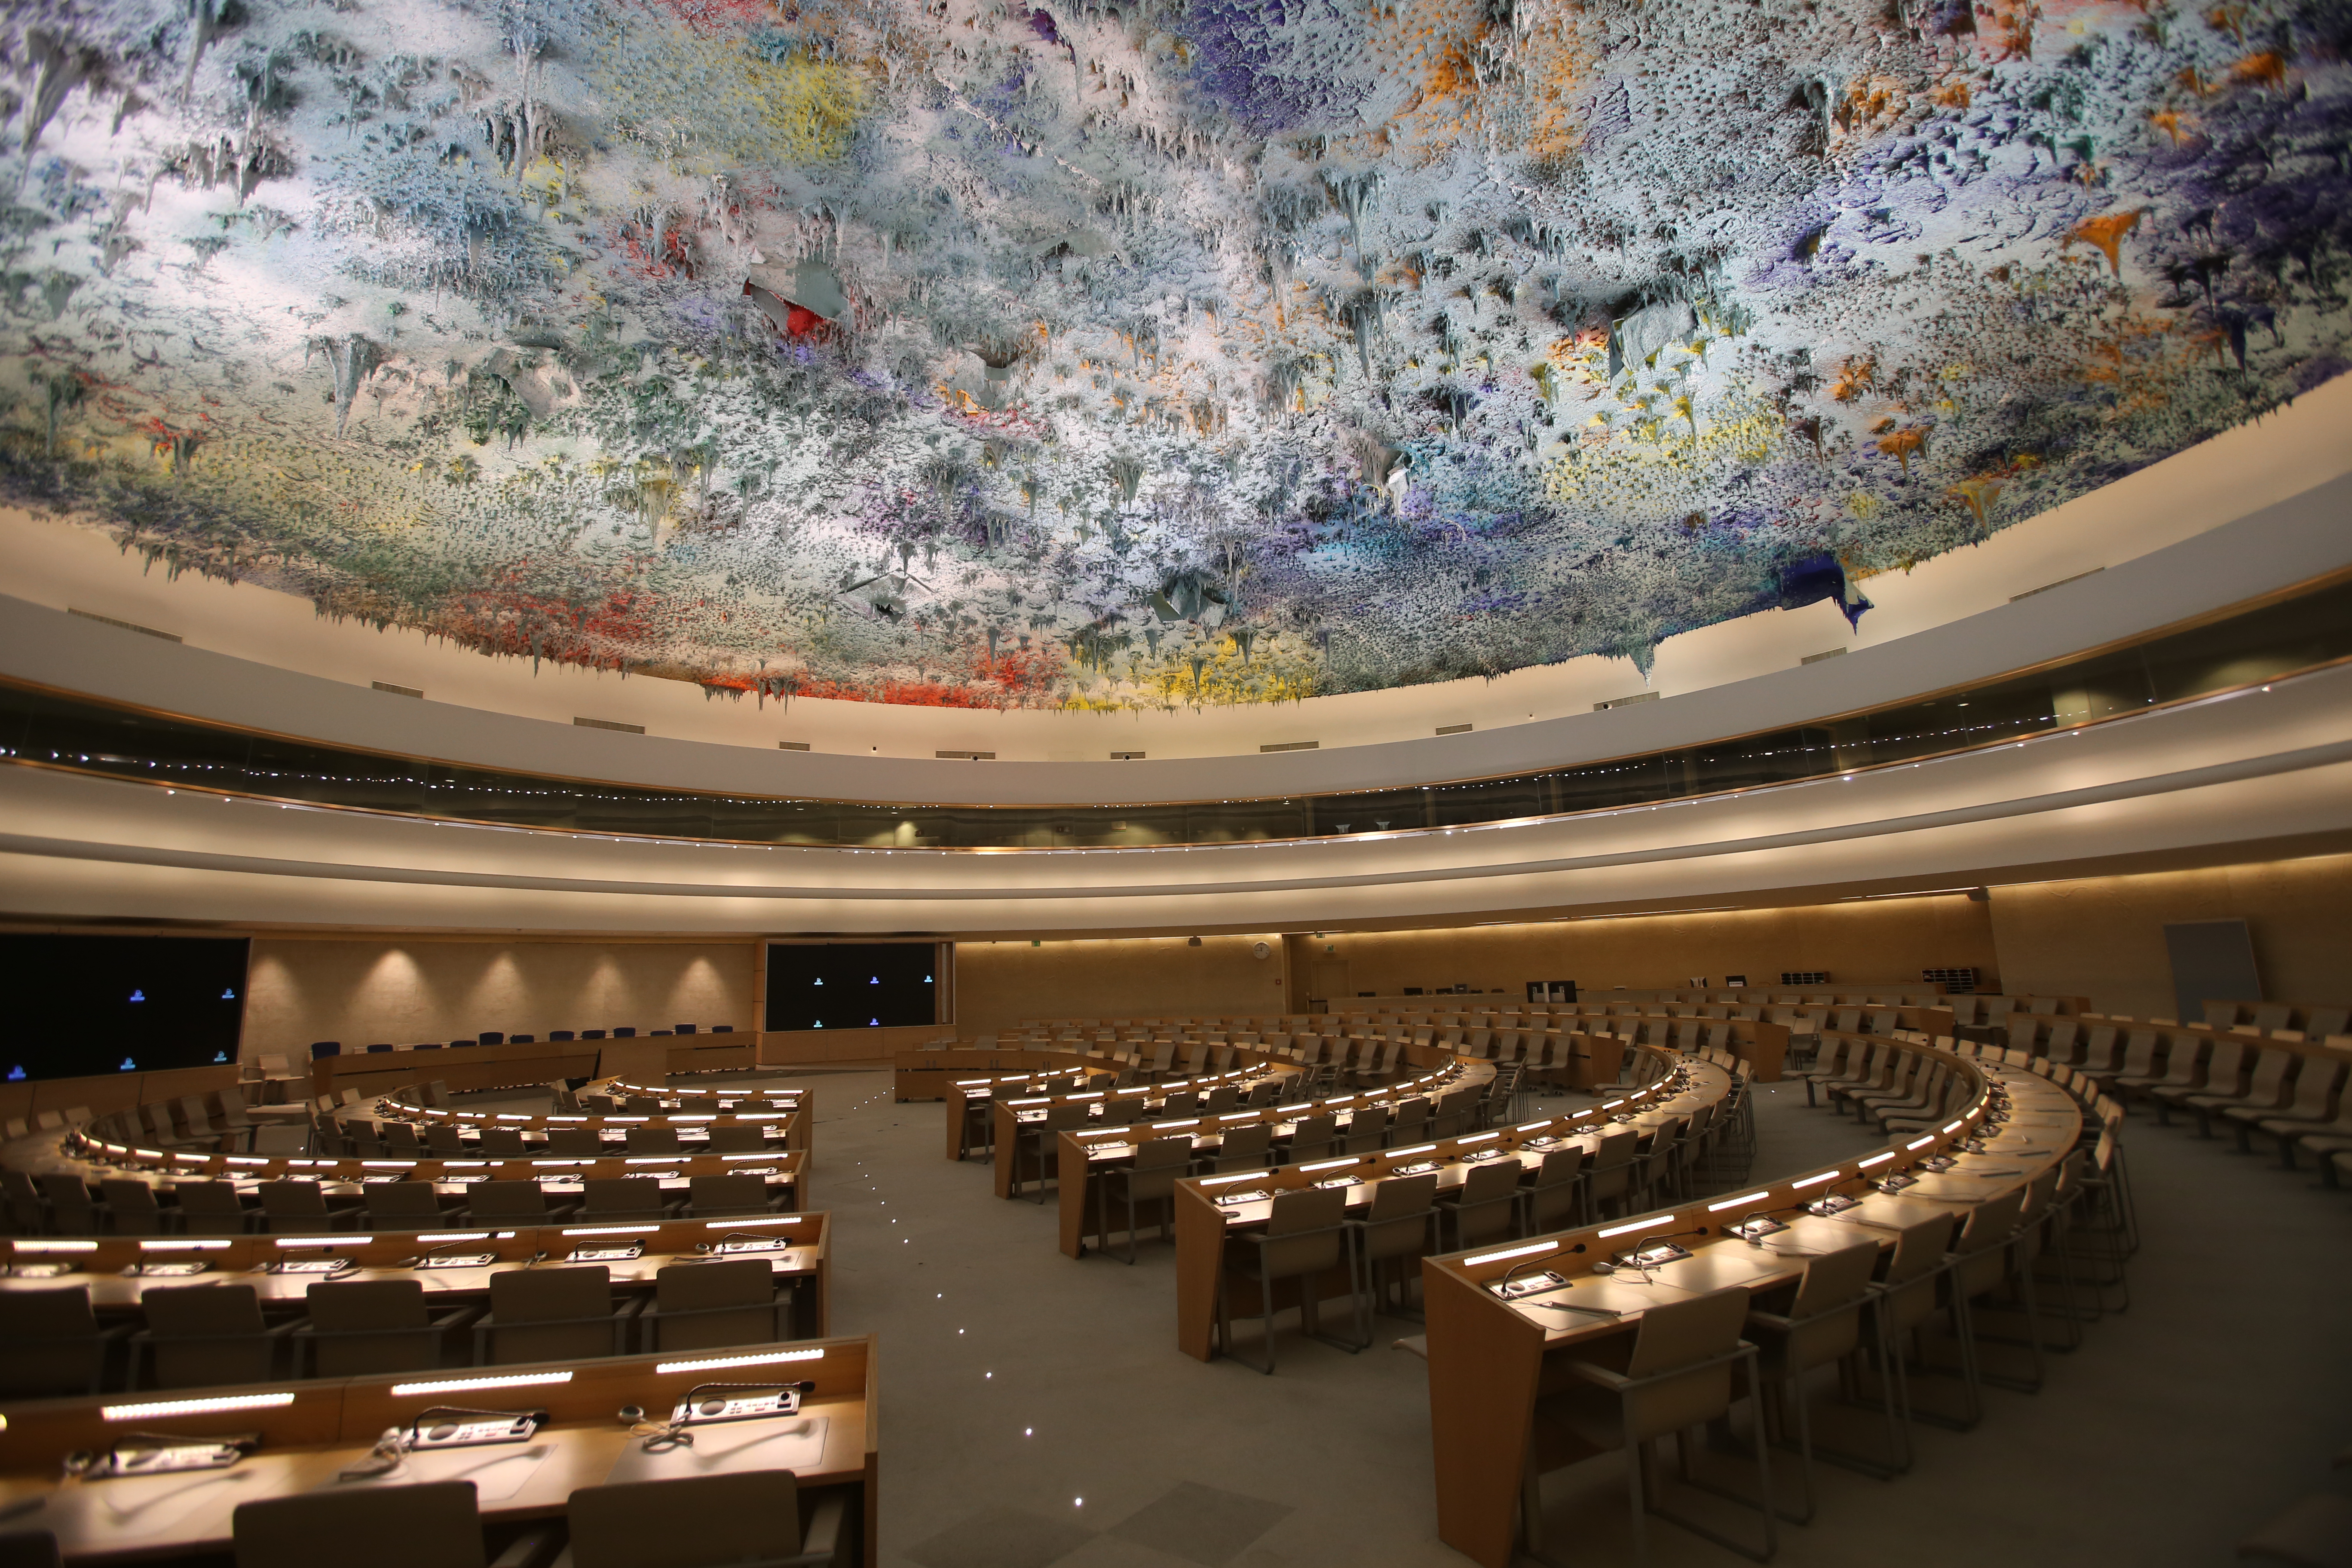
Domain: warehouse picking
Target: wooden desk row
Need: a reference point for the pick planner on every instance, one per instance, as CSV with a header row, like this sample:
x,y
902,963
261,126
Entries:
x,y
964,1093
471,1068
310,1432
1206,1215
99,1157
119,1269
1012,1116
1487,1355
786,1128
1035,1094
932,1073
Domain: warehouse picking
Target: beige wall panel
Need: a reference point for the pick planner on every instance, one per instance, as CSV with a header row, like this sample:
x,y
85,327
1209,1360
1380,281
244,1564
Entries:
x,y
1002,982
405,989
1866,941
2103,937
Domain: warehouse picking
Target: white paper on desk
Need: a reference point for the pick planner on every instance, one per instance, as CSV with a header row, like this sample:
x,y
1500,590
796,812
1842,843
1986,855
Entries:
x,y
155,1503
726,1447
497,1470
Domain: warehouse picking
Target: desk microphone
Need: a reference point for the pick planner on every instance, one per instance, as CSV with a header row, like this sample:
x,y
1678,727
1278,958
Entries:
x,y
418,1262
1625,1259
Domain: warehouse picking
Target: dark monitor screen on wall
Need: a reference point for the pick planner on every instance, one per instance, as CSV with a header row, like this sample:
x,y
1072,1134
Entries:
x,y
852,984
83,1005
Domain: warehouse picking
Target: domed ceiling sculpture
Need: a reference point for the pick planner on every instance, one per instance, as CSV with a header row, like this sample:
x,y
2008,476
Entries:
x,y
972,352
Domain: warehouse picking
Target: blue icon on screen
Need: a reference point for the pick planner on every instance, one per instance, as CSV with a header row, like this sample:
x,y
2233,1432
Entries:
x,y
874,1021
820,1024
220,1056
128,1066
875,981
138,996
817,983
15,1074
228,993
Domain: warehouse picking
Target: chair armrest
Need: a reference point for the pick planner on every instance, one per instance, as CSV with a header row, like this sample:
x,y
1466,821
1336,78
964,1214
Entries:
x,y
534,1548
1593,1373
462,1318
826,1540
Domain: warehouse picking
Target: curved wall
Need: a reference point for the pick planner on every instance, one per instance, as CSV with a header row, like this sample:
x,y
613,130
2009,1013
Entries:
x,y
2251,511
2245,770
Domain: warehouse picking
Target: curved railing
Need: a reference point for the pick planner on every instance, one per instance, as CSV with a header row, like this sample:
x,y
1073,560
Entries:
x,y
2274,638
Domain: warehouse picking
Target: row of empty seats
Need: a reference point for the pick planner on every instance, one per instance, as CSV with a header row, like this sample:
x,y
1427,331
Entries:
x,y
57,1204
192,1336
321,1048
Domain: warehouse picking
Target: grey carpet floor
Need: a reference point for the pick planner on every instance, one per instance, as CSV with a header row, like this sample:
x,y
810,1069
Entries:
x,y
1035,1410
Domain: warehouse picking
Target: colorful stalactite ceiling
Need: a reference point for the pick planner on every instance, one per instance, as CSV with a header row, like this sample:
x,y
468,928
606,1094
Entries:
x,y
1138,354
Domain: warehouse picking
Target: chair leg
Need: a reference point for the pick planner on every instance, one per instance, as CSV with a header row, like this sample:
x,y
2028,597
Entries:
x,y
1640,1504
1531,1506
1764,1476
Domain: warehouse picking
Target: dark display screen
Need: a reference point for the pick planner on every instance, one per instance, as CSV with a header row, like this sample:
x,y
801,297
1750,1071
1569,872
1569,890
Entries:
x,y
852,984
83,1005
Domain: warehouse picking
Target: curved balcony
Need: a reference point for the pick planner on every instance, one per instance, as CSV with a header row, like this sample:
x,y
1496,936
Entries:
x,y
2273,638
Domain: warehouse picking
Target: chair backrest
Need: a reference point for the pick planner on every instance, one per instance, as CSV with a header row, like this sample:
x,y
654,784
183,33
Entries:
x,y
350,1309
1990,1222
2314,1086
207,1206
1616,1147
551,1314
1487,1183
727,1195
507,1201
300,1201
1834,1279
442,1139
437,1522
48,1343
1306,1209
733,1301
1402,1197
502,1141
1313,1136
607,1195
1158,1153
391,1203
573,1141
2271,1070
691,1521
652,1140
131,1205
734,1138
1675,1334
1918,1248
1245,1146
220,1330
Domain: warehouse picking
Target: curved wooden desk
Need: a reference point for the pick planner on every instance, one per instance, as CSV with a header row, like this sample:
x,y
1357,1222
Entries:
x,y
115,1269
1487,1355
347,1179
310,1432
1205,1215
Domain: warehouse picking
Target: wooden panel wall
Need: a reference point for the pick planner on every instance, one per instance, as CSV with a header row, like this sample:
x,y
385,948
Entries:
x,y
2103,936
998,983
402,989
1873,940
